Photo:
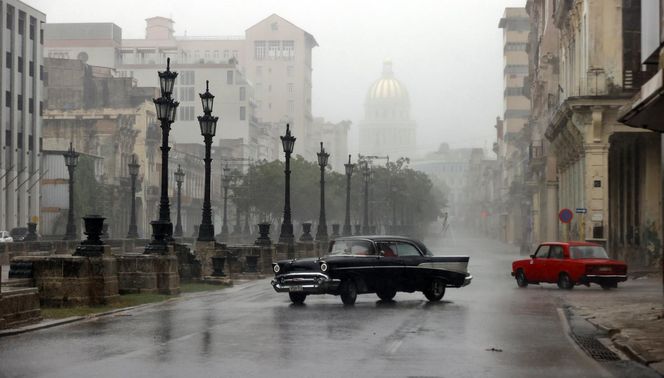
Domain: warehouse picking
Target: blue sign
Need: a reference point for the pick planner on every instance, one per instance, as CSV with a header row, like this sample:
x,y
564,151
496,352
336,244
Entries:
x,y
565,215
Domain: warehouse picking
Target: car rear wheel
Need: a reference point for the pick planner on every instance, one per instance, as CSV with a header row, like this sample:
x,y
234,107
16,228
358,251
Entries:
x,y
436,290
348,292
521,279
564,282
297,298
386,294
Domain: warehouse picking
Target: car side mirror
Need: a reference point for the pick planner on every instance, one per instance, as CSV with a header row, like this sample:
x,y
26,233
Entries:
x,y
532,256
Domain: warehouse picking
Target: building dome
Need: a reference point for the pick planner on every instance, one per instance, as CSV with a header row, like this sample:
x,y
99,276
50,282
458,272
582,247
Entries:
x,y
387,88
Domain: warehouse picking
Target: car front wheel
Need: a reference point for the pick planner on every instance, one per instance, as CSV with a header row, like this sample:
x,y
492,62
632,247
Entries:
x,y
564,282
521,279
348,292
436,290
297,298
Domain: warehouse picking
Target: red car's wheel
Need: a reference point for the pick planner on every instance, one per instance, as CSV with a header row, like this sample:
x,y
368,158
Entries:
x,y
521,280
564,282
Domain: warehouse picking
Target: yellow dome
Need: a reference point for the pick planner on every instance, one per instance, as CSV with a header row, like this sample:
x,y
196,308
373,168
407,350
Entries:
x,y
387,87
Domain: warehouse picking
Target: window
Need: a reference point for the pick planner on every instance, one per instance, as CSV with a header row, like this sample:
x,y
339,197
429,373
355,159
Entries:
x,y
243,93
291,88
31,68
187,77
259,50
21,22
542,252
20,64
41,108
31,105
41,36
229,77
351,247
19,102
273,49
288,49
10,17
186,113
8,99
291,106
235,54
243,113
290,70
33,21
407,249
556,252
41,72
8,60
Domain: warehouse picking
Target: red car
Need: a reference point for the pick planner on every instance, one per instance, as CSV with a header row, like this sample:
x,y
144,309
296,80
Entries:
x,y
569,264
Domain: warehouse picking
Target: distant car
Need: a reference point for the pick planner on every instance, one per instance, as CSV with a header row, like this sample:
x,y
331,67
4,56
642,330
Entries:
x,y
18,233
5,237
371,264
569,264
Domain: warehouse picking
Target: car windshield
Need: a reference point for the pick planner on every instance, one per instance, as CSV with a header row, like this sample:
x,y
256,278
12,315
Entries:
x,y
588,252
351,247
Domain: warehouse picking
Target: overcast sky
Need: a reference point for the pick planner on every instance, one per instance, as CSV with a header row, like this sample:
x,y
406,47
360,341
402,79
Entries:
x,y
448,53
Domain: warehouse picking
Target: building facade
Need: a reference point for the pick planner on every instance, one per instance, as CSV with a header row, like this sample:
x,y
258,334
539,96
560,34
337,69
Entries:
x,y
512,147
20,124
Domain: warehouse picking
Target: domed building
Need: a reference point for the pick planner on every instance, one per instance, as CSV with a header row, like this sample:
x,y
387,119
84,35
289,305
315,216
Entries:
x,y
387,128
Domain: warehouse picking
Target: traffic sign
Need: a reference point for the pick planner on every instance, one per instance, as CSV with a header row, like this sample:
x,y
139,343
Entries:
x,y
581,210
565,215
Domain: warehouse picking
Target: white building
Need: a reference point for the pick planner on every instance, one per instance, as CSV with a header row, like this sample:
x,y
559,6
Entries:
x,y
387,128
20,124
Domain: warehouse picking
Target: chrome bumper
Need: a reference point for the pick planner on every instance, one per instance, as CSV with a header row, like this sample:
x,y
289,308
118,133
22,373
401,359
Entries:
x,y
312,283
467,280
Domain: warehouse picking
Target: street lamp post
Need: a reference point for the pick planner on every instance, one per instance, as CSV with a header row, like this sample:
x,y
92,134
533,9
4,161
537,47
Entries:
x,y
71,160
349,172
179,179
286,235
321,232
226,180
133,172
365,219
166,107
208,125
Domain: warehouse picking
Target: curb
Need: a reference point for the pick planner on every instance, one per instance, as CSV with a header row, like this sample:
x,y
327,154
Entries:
x,y
53,323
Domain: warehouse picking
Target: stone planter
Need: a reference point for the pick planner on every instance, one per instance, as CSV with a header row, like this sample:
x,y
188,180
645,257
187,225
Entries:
x,y
92,246
306,233
264,238
32,232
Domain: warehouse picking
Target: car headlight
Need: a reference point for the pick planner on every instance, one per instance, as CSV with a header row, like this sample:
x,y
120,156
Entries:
x,y
276,268
323,267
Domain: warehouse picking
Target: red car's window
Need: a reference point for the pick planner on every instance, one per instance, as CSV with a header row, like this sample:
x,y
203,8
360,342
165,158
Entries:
x,y
588,252
542,252
556,252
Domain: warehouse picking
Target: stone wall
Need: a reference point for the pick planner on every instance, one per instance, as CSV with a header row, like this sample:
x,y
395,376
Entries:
x,y
19,306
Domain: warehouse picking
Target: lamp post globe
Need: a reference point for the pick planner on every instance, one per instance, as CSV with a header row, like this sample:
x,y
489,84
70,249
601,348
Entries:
x,y
321,232
288,143
179,179
349,173
133,173
166,109
208,124
71,161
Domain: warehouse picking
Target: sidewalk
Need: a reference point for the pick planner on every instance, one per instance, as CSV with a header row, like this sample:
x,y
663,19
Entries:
x,y
632,315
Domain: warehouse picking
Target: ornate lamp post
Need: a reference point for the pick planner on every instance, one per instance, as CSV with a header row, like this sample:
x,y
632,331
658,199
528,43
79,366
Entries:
x,y
208,125
71,160
288,142
366,173
349,172
179,179
225,182
321,232
133,172
166,107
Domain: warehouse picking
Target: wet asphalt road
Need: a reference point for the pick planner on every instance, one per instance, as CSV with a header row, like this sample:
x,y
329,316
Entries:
x,y
249,330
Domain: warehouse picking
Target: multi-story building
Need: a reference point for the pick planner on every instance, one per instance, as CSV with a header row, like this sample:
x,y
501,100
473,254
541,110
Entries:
x,y
261,79
102,116
20,124
335,139
387,128
512,149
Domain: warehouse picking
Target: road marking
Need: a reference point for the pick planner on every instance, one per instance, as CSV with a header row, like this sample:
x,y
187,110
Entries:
x,y
393,347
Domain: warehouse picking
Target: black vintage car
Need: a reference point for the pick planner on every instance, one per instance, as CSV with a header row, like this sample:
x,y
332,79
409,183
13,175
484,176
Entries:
x,y
371,264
